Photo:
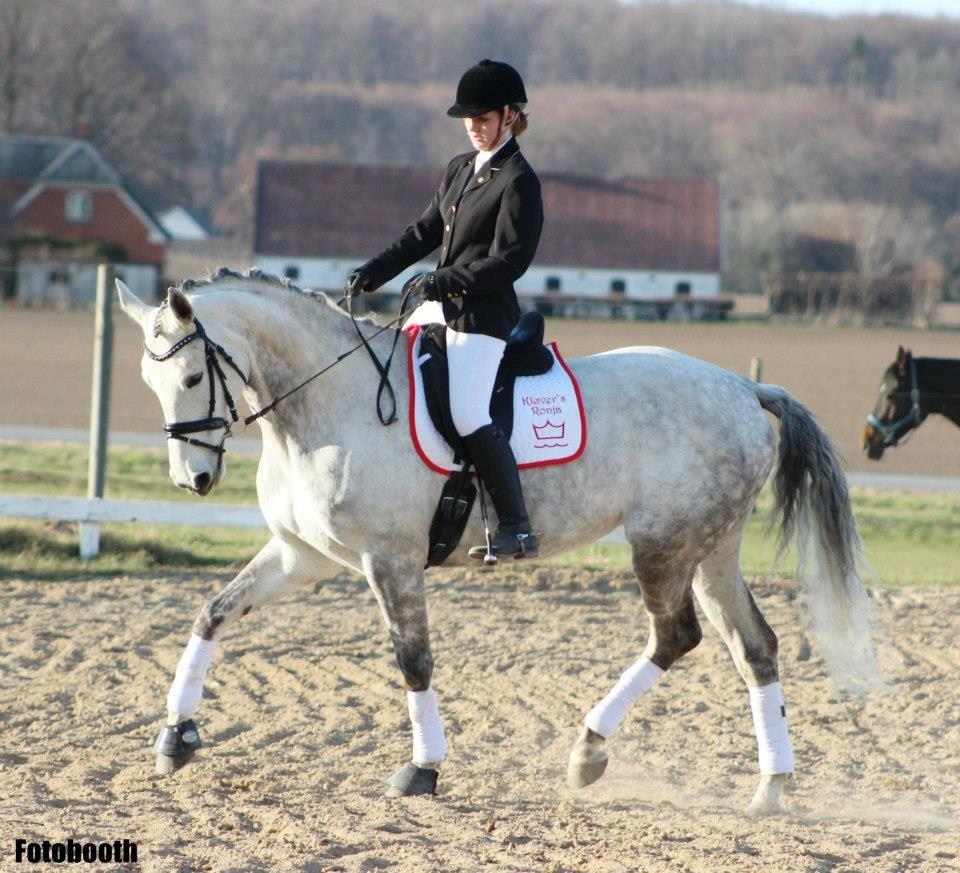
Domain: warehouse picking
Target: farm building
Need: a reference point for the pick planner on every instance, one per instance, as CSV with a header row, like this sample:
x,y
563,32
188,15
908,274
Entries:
x,y
64,208
184,223
630,239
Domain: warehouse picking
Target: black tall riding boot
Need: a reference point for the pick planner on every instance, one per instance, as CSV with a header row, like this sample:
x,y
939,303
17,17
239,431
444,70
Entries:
x,y
494,460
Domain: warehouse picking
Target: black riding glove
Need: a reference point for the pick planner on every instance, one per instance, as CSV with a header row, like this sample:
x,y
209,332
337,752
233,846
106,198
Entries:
x,y
426,286
357,282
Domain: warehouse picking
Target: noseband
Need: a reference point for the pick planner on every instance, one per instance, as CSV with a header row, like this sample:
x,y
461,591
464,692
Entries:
x,y
179,430
891,433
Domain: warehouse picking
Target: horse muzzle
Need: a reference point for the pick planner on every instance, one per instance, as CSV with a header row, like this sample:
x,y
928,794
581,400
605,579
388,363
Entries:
x,y
872,443
200,484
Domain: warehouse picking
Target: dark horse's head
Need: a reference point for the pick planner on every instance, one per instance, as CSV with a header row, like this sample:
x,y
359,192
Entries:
x,y
896,411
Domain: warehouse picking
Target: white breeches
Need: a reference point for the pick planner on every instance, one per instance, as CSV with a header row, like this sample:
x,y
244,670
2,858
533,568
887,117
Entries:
x,y
472,360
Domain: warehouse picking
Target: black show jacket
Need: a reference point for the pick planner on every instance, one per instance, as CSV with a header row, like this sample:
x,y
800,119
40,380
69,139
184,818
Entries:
x,y
487,226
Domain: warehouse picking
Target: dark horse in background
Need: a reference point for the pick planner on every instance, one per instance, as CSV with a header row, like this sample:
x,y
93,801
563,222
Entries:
x,y
911,389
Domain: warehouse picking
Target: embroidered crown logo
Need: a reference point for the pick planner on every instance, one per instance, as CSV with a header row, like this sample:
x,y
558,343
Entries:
x,y
550,431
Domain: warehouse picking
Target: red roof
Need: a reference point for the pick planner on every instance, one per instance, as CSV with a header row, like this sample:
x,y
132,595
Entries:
x,y
311,209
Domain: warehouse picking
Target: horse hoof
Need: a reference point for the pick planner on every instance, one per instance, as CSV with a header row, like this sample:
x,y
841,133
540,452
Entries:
x,y
766,799
588,759
175,746
411,780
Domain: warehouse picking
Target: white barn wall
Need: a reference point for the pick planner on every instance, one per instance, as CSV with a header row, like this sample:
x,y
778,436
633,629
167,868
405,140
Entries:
x,y
71,283
330,273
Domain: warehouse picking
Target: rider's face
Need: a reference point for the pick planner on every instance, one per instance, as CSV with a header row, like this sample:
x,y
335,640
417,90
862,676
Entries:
x,y
485,130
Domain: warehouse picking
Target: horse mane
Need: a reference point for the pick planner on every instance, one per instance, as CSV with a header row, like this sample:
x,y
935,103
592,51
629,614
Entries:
x,y
260,280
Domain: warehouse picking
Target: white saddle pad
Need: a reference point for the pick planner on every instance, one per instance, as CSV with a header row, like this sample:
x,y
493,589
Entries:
x,y
549,425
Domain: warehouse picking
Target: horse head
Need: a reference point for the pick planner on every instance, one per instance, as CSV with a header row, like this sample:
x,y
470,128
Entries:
x,y
195,380
894,413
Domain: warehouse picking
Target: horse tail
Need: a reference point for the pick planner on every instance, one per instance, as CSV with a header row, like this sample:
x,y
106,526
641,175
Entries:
x,y
812,502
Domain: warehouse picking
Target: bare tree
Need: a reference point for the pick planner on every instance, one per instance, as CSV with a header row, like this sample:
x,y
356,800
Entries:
x,y
100,77
19,43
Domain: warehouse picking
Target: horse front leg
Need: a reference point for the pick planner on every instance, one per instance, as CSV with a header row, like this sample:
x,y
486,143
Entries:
x,y
276,566
397,583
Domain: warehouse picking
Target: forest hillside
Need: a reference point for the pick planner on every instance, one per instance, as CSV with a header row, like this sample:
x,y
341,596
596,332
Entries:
x,y
820,128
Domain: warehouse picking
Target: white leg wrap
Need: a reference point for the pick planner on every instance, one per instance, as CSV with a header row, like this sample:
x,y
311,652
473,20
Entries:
x,y
773,737
606,716
429,743
187,687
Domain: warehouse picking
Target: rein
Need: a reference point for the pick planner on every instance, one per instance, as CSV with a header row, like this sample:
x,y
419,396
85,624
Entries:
x,y
180,430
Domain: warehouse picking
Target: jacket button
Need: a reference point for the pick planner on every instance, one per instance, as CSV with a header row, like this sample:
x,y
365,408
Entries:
x,y
479,178
443,249
447,228
454,207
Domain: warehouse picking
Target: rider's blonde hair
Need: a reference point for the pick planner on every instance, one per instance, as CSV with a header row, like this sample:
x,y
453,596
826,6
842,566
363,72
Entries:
x,y
520,122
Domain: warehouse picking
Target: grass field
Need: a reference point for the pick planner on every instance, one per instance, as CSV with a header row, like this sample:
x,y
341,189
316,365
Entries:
x,y
910,539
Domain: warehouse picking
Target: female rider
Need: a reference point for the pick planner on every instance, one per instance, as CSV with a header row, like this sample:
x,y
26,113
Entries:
x,y
486,217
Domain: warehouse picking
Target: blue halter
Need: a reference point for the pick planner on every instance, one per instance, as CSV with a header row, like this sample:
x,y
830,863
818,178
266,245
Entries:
x,y
891,433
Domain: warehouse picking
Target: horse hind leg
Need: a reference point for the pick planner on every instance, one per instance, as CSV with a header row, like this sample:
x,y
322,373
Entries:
x,y
728,604
674,631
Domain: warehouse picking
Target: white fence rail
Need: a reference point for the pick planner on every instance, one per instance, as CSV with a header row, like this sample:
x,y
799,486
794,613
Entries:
x,y
97,510
90,512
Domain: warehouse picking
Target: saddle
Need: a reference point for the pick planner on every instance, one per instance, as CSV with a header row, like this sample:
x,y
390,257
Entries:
x,y
524,355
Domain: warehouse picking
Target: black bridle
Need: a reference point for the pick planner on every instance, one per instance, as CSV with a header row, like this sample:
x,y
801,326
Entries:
x,y
182,430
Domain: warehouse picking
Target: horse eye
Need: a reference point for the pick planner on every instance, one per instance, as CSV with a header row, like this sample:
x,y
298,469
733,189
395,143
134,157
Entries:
x,y
194,380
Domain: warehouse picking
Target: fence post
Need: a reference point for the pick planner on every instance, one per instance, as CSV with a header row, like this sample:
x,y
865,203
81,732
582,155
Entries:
x,y
99,405
756,369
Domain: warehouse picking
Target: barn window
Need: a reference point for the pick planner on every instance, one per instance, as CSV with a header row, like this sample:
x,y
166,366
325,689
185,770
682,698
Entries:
x,y
79,206
292,272
683,289
618,286
553,284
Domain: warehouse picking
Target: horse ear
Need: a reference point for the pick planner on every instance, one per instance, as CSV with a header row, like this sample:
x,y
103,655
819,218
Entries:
x,y
902,357
179,305
131,304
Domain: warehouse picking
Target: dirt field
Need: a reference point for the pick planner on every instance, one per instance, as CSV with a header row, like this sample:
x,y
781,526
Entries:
x,y
305,718
45,357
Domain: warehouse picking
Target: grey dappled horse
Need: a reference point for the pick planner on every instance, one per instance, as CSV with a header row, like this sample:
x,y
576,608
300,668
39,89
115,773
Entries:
x,y
678,450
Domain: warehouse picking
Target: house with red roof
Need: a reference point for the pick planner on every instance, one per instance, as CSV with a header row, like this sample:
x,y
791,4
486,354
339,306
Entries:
x,y
631,238
63,207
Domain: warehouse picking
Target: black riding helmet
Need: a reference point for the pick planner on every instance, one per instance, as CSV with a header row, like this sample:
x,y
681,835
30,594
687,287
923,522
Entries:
x,y
486,86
